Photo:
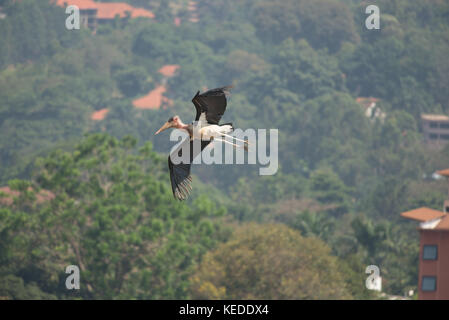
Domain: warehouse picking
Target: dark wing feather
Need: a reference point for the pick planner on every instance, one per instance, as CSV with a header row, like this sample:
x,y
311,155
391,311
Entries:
x,y
213,102
197,106
180,177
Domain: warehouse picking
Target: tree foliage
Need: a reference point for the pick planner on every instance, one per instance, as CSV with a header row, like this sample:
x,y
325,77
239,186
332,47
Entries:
x,y
114,218
269,262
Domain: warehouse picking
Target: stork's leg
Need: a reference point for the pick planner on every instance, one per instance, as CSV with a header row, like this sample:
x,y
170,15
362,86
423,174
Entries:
x,y
228,142
227,135
235,145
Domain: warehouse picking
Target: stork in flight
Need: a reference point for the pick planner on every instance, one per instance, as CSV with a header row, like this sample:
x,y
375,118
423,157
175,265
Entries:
x,y
210,107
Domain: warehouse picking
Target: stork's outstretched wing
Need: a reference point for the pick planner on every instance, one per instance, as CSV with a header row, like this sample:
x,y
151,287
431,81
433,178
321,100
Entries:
x,y
180,173
212,103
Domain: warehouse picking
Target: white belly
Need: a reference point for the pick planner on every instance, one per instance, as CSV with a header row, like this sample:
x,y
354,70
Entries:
x,y
213,131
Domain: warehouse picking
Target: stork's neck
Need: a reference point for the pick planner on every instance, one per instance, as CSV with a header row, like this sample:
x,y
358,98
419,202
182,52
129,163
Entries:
x,y
188,127
182,125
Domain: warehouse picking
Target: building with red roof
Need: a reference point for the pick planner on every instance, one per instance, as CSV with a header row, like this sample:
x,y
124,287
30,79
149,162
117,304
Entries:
x,y
433,282
169,70
93,13
155,99
99,114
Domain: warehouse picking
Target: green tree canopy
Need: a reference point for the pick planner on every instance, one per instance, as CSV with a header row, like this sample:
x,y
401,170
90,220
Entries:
x,y
113,216
269,262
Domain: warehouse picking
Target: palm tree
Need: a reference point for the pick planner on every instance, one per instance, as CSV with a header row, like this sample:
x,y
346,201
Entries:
x,y
315,224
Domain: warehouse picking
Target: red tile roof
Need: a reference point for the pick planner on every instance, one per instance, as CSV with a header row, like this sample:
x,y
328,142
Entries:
x,y
444,172
423,214
140,12
100,114
153,100
108,10
169,70
81,4
444,223
111,10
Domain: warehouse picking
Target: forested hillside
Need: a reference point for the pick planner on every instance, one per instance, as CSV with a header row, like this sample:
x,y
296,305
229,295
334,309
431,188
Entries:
x,y
298,66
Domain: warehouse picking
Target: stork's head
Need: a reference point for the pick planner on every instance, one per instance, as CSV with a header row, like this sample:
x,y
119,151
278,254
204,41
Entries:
x,y
172,122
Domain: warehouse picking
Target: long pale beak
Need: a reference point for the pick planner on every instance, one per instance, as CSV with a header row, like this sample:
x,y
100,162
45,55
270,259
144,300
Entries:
x,y
164,127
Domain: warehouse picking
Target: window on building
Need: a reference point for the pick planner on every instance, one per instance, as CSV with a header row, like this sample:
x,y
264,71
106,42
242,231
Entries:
x,y
433,124
430,252
444,136
429,283
444,125
433,136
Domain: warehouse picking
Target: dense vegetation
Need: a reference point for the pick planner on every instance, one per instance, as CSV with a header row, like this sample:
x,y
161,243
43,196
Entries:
x,y
307,232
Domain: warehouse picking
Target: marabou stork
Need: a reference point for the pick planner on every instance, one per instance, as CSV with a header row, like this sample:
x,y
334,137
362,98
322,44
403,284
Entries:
x,y
210,107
